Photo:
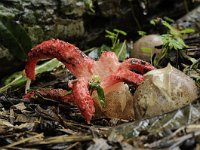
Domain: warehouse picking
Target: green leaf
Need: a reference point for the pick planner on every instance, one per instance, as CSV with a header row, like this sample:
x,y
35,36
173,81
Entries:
x,y
14,38
168,19
121,51
142,33
117,47
95,85
146,49
173,42
111,36
18,79
89,5
187,30
101,95
153,22
102,49
172,30
110,33
120,31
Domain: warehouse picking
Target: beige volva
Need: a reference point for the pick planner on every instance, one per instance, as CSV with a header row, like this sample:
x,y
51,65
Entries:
x,y
147,41
163,90
119,103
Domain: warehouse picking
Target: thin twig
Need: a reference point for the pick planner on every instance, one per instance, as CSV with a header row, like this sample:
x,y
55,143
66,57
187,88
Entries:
x,y
72,146
165,142
180,140
64,139
197,61
37,136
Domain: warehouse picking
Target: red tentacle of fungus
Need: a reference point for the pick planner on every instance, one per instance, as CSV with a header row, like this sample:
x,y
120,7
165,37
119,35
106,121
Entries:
x,y
137,64
67,53
56,94
123,74
83,99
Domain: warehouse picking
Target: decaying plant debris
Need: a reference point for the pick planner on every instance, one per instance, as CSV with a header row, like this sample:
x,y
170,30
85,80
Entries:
x,y
48,124
45,124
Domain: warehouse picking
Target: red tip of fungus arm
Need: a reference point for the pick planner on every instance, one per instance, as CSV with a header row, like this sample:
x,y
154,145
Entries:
x,y
30,68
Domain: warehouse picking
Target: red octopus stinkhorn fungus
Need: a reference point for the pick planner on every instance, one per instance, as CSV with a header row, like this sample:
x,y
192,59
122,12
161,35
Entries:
x,y
109,70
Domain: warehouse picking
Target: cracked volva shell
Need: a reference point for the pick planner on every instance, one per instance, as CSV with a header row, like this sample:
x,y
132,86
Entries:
x,y
162,91
118,103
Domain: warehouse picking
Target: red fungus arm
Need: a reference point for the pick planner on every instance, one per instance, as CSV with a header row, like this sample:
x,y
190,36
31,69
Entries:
x,y
137,64
122,75
65,52
55,94
80,97
83,99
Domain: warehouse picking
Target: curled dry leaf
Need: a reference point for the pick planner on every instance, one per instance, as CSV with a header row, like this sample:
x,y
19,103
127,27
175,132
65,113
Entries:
x,y
146,42
162,91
